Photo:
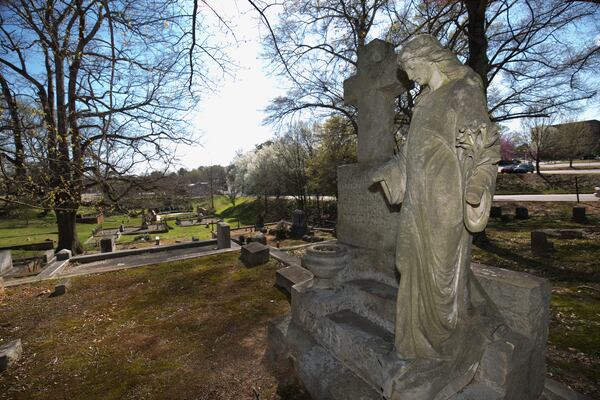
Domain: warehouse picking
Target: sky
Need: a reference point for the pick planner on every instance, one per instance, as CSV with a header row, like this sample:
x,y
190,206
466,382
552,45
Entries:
x,y
229,119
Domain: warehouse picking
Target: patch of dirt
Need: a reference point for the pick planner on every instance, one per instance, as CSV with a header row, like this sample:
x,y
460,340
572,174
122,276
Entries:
x,y
188,330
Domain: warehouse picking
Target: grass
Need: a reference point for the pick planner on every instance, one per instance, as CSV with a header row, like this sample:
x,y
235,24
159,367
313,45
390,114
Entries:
x,y
573,351
187,330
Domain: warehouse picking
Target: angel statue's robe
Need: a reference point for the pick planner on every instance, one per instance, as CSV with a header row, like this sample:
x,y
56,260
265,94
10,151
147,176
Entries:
x,y
431,178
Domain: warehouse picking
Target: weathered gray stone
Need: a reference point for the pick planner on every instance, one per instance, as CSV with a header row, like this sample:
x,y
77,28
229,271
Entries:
x,y
64,254
554,390
107,245
579,214
540,244
521,213
223,236
353,333
523,301
254,254
6,262
365,219
287,277
325,261
258,237
10,353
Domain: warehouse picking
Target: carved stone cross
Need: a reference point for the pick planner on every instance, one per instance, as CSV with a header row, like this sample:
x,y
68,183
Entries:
x,y
372,90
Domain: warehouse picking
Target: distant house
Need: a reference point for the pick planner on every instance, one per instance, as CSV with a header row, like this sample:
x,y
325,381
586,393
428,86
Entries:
x,y
580,138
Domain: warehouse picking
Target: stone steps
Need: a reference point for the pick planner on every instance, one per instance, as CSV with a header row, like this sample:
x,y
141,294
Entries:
x,y
357,342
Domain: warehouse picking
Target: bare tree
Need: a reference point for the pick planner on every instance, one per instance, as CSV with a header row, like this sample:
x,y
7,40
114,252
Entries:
x,y
524,50
107,80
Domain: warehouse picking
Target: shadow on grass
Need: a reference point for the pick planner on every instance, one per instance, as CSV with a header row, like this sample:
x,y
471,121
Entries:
x,y
544,267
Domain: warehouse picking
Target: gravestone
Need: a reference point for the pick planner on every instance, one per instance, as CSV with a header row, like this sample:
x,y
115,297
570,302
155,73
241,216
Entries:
x,y
254,254
64,254
496,212
579,214
223,236
358,329
365,219
6,262
521,213
298,224
540,244
107,245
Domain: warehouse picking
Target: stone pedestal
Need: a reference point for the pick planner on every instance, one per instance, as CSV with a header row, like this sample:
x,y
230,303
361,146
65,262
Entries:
x,y
6,263
107,245
339,340
254,254
64,254
223,236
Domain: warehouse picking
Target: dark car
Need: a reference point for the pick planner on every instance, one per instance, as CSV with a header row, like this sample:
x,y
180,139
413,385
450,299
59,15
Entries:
x,y
523,168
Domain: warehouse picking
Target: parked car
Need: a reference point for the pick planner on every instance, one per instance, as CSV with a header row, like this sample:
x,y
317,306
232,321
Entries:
x,y
523,168
508,169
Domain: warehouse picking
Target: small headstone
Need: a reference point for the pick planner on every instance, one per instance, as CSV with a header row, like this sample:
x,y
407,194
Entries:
x,y
61,288
144,225
242,239
64,254
540,244
10,353
579,214
6,263
121,228
260,222
195,239
157,240
107,245
223,236
254,254
298,224
258,237
521,213
496,212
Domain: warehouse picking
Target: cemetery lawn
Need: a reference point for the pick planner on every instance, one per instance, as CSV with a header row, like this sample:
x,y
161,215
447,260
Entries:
x,y
573,351
187,330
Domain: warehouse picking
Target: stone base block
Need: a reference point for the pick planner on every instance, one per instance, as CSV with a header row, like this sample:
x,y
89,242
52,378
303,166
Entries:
x,y
64,254
287,277
6,263
10,353
345,334
254,254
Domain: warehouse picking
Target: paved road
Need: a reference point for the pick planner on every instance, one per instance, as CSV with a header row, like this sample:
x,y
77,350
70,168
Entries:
x,y
545,197
571,171
560,164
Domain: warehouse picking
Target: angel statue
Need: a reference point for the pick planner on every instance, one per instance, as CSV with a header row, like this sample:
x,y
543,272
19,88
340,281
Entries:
x,y
444,177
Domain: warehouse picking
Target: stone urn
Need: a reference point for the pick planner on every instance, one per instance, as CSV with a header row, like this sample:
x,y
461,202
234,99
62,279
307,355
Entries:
x,y
325,261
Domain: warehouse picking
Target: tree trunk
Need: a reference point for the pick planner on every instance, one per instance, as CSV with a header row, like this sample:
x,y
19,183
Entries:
x,y
571,163
67,232
478,44
537,166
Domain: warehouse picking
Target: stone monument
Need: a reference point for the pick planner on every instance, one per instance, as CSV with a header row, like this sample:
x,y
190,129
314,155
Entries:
x,y
396,310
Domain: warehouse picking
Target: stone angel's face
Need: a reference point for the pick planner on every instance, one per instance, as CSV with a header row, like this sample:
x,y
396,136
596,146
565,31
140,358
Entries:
x,y
417,70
